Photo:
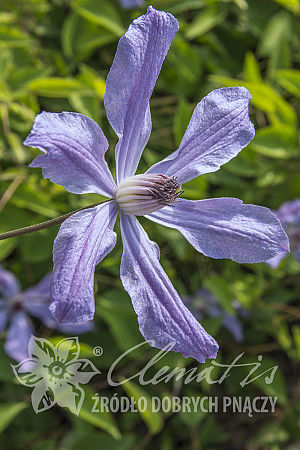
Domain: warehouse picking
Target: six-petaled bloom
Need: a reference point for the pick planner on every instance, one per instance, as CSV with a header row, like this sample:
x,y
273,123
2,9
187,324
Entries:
x,y
74,148
289,216
17,305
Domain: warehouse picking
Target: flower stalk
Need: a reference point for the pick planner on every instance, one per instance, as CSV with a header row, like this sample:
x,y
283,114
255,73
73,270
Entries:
x,y
46,224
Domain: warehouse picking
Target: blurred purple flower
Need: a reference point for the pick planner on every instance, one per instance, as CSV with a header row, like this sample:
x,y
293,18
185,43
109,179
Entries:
x,y
74,148
15,307
289,216
204,303
128,4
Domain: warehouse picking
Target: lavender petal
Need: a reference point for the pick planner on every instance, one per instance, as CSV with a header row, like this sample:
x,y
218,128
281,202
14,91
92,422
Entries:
x,y
163,318
9,285
83,240
226,228
276,260
3,314
219,129
18,336
130,83
74,147
128,4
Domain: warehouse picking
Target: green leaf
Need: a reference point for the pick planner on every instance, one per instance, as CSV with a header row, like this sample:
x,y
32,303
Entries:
x,y
290,80
12,217
204,22
219,287
86,351
6,247
56,87
292,5
296,336
16,147
8,411
100,13
13,37
153,420
251,69
27,196
91,78
277,387
37,247
78,45
87,105
103,441
102,419
276,142
176,6
181,120
276,31
115,308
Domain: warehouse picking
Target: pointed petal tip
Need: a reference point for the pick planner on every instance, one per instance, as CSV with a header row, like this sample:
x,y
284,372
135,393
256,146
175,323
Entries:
x,y
219,129
151,10
201,355
226,228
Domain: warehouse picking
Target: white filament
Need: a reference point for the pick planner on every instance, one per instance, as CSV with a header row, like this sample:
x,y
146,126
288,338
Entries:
x,y
143,194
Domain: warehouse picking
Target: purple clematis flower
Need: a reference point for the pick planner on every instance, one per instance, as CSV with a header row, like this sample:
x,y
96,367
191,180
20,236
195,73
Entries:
x,y
128,4
205,303
289,216
74,148
15,307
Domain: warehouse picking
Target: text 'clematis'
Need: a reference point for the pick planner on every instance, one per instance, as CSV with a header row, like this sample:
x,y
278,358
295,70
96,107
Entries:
x,y
74,148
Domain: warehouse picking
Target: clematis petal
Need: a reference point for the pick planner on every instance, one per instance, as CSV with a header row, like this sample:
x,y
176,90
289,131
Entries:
x,y
128,4
226,228
80,328
18,336
83,240
276,260
37,299
234,326
130,83
40,291
74,147
219,129
163,318
9,285
3,314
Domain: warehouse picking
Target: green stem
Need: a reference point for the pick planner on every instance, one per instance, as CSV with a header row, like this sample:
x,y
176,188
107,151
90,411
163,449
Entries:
x,y
47,224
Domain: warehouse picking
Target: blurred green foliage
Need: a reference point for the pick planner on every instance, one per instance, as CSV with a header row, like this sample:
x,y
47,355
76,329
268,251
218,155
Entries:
x,y
54,56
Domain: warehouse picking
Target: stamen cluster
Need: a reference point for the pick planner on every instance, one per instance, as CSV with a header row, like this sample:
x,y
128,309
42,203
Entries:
x,y
143,194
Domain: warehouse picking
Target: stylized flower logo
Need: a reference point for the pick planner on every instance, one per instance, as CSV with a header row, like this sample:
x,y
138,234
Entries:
x,y
55,373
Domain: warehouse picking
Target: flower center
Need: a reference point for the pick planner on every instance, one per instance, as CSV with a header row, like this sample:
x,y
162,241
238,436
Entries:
x,y
16,304
143,194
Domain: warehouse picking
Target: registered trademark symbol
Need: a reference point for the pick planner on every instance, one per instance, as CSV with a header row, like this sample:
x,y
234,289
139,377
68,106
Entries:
x,y
98,351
